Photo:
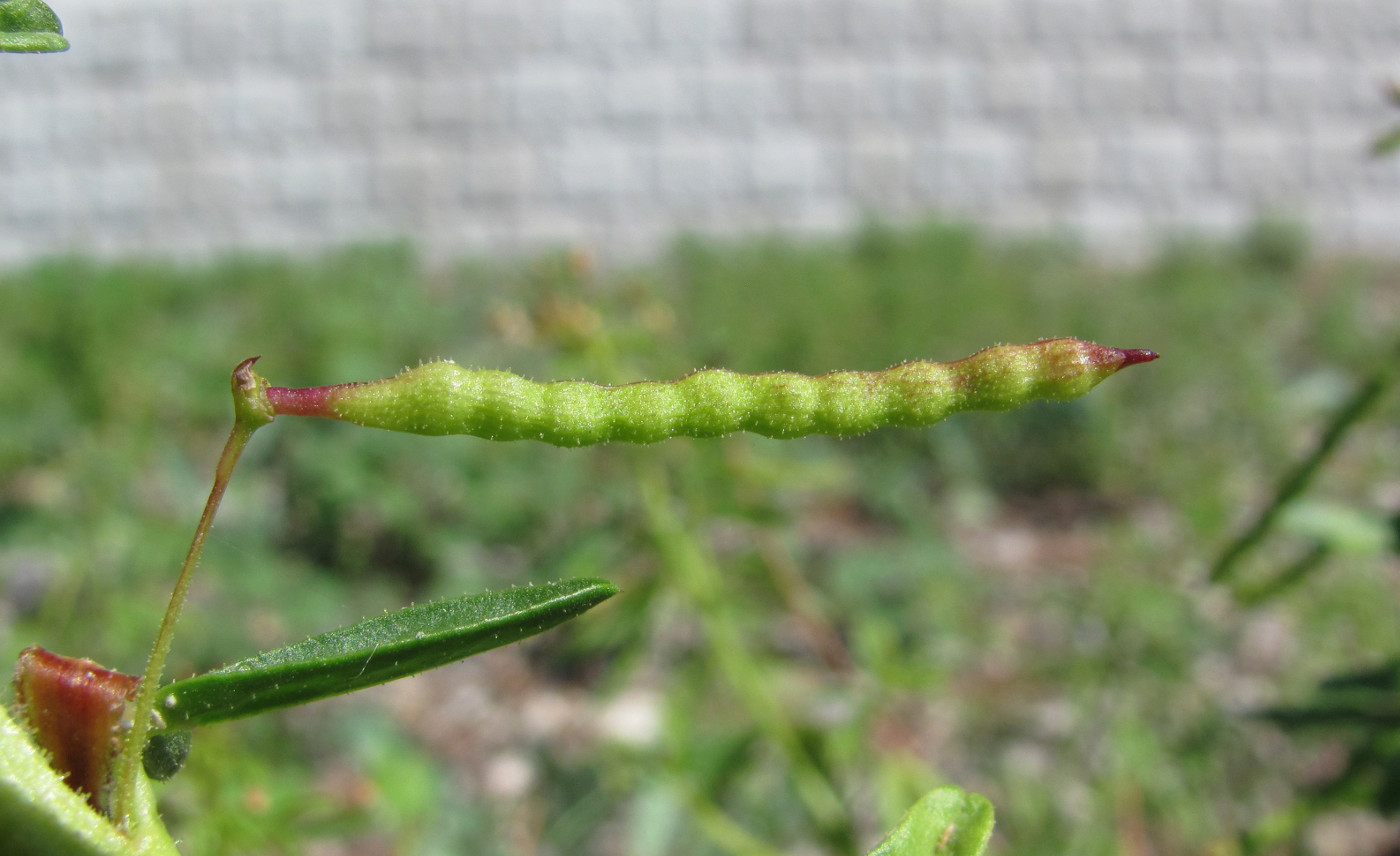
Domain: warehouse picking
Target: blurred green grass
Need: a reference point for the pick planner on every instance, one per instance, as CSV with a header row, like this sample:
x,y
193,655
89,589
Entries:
x,y
811,634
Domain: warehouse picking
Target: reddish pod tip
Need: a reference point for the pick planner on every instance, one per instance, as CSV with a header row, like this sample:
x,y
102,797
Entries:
x,y
1133,356
243,374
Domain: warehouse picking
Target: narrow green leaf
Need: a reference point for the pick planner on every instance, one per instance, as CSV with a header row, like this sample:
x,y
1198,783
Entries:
x,y
1339,710
1342,528
30,26
1367,698
1385,677
946,821
376,650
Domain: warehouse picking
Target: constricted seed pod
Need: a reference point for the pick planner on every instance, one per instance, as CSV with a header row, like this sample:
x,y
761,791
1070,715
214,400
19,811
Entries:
x,y
445,398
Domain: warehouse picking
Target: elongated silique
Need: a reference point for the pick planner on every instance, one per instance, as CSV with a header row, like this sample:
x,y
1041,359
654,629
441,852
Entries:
x,y
445,398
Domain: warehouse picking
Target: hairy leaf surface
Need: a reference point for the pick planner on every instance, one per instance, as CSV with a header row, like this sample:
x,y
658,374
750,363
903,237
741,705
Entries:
x,y
395,645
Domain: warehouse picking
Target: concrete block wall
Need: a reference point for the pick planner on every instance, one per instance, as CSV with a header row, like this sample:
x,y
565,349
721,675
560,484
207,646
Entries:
x,y
188,127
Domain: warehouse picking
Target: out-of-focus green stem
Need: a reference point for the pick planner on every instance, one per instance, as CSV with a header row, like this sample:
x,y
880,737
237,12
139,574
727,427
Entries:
x,y
1297,481
1268,833
1296,572
698,574
723,831
251,411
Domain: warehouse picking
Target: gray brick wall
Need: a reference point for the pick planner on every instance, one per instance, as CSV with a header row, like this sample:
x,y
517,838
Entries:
x,y
191,126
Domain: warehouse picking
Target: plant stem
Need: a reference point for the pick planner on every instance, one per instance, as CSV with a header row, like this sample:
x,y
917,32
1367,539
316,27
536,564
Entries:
x,y
1297,481
723,831
251,411
1296,572
700,579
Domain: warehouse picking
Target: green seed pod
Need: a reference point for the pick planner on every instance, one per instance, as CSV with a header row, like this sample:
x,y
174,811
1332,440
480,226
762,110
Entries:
x,y
444,398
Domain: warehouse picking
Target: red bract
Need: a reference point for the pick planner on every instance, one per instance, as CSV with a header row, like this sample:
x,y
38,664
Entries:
x,y
74,707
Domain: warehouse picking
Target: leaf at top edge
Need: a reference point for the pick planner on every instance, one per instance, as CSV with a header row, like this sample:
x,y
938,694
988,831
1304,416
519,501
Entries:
x,y
394,645
30,26
1387,144
945,822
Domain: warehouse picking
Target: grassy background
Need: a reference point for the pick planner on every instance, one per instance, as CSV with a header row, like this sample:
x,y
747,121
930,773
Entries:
x,y
811,633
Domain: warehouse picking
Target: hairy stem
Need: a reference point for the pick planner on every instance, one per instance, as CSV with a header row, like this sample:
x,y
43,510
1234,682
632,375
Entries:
x,y
251,412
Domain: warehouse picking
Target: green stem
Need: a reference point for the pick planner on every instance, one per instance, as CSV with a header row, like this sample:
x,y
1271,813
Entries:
x,y
1297,481
724,832
699,576
251,411
1286,579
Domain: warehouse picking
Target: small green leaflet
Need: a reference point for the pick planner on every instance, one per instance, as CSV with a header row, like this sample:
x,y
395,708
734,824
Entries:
x,y
395,645
946,822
